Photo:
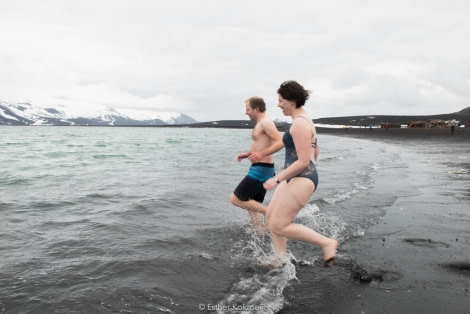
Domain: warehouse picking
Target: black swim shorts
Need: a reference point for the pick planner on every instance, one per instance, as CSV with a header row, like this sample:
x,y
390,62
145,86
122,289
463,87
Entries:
x,y
250,189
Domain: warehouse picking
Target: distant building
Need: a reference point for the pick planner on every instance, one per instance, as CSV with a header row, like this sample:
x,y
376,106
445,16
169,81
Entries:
x,y
417,124
434,124
453,123
437,124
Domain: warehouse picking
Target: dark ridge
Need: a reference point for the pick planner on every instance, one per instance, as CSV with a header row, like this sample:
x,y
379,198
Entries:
x,y
463,116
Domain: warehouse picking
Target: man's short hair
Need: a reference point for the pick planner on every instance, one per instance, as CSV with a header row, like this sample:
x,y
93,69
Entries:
x,y
257,102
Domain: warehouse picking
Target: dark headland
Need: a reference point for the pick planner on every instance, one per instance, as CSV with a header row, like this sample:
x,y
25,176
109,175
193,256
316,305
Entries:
x,y
404,134
359,126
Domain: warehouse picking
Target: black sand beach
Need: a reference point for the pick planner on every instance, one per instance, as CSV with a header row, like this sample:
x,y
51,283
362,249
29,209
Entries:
x,y
416,259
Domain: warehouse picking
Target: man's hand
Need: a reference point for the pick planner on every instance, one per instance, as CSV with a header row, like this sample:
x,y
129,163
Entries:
x,y
255,157
242,156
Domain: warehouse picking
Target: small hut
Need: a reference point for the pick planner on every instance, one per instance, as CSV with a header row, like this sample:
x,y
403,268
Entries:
x,y
388,125
417,124
437,124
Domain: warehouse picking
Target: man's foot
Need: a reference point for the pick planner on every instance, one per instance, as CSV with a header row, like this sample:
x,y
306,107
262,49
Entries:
x,y
329,253
259,222
264,226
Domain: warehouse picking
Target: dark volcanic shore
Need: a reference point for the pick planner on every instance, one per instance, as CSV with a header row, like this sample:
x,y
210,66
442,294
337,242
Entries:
x,y
460,134
462,116
415,259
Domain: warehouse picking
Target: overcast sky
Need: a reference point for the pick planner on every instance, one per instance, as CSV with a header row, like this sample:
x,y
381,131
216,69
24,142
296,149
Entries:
x,y
204,58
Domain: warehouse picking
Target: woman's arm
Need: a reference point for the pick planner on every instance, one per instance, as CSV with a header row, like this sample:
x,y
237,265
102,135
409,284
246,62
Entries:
x,y
301,132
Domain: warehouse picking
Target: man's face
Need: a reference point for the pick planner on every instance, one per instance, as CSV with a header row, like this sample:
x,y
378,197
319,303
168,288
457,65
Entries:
x,y
250,112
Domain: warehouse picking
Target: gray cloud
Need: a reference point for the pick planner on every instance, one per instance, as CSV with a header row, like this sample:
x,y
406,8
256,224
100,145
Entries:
x,y
204,58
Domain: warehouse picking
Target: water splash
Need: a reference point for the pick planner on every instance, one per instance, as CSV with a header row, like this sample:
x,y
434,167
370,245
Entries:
x,y
261,292
261,289
328,224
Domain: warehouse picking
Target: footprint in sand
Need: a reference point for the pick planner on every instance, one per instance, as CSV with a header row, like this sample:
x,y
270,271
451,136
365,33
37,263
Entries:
x,y
426,243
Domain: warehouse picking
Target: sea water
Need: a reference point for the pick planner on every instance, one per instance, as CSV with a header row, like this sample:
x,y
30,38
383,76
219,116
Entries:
x,y
138,219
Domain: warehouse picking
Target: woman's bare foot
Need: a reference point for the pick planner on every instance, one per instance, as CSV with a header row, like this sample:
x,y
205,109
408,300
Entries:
x,y
329,253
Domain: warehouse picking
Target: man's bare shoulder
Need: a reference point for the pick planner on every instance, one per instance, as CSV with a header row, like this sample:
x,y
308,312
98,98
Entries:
x,y
269,128
267,123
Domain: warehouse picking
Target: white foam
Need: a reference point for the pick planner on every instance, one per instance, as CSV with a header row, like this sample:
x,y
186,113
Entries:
x,y
308,210
339,196
206,255
460,171
327,224
260,293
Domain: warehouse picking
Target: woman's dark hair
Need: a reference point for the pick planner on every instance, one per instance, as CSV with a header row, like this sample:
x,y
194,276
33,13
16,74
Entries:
x,y
293,91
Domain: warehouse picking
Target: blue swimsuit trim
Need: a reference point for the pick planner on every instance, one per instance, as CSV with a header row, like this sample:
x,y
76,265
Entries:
x,y
261,171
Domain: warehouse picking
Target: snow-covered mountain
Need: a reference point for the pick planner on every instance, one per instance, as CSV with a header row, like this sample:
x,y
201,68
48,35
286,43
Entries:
x,y
27,114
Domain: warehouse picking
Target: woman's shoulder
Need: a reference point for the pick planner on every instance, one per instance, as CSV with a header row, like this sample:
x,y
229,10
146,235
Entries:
x,y
303,125
302,120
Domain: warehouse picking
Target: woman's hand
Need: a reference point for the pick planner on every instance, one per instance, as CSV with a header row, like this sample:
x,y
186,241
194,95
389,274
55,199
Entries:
x,y
269,184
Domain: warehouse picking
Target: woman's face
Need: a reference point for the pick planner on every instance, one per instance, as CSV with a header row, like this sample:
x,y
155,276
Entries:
x,y
286,105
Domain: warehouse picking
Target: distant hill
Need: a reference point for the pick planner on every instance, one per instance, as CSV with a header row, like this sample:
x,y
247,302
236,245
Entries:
x,y
229,124
465,111
463,116
27,114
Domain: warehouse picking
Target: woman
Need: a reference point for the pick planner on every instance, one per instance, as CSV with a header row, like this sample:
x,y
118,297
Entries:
x,y
297,182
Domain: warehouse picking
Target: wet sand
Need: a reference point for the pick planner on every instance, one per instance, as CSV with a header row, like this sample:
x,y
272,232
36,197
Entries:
x,y
422,262
416,259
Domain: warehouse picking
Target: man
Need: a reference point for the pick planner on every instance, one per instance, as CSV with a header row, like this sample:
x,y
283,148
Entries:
x,y
266,140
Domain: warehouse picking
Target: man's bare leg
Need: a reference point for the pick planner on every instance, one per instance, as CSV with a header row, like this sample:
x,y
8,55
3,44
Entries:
x,y
255,209
256,220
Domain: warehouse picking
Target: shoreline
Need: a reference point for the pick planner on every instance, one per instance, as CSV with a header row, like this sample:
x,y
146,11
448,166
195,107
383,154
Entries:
x,y
440,134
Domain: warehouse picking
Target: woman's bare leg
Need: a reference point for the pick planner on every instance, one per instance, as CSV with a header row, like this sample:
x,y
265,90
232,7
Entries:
x,y
286,203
